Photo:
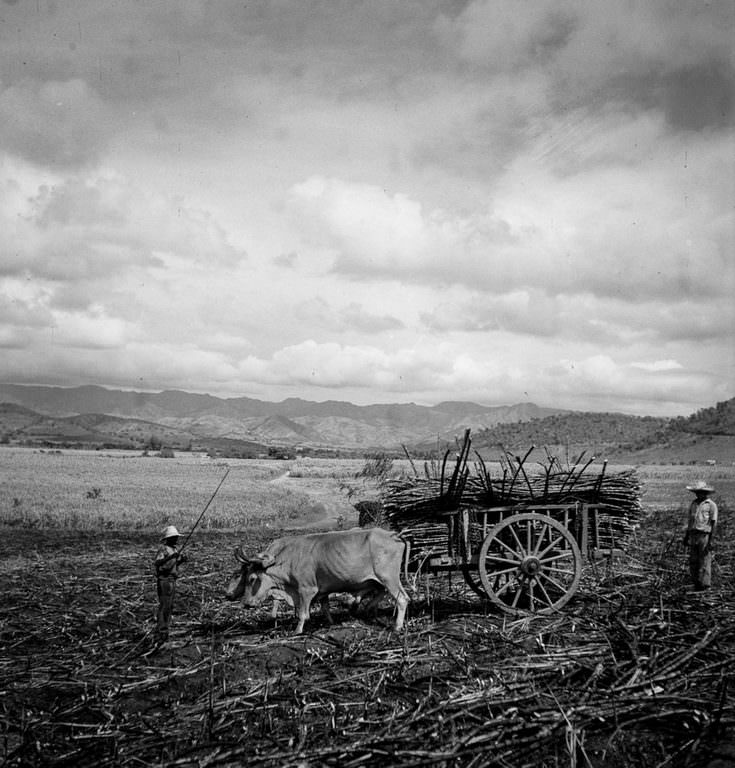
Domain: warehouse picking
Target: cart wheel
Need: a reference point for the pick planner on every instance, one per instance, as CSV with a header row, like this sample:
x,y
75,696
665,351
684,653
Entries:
x,y
529,563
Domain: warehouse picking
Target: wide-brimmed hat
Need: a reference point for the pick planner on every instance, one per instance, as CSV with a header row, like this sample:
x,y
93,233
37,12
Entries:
x,y
169,532
700,485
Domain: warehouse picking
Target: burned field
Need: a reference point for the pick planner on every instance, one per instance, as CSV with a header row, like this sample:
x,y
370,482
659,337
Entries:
x,y
637,670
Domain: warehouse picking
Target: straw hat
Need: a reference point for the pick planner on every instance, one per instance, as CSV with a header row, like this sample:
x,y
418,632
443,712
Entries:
x,y
169,532
700,486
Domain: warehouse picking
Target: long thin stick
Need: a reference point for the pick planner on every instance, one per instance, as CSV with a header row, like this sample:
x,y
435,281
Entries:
x,y
186,540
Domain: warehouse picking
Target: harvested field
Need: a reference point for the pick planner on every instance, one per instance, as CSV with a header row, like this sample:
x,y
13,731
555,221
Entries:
x,y
637,670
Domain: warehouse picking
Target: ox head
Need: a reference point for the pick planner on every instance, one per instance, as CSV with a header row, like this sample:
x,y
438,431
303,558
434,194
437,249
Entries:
x,y
250,581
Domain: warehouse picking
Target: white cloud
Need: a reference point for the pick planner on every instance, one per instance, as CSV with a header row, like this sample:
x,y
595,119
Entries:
x,y
101,224
659,365
334,365
92,330
375,233
522,311
613,231
639,389
492,201
364,224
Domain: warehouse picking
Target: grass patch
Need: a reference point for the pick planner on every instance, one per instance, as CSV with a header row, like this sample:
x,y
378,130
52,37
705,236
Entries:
x,y
95,491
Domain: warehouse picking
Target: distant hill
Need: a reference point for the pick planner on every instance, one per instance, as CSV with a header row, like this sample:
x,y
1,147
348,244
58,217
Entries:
x,y
183,418
20,425
95,416
708,434
596,429
718,420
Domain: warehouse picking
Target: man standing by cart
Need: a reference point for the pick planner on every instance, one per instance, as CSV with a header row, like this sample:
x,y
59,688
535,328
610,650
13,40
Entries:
x,y
700,534
168,559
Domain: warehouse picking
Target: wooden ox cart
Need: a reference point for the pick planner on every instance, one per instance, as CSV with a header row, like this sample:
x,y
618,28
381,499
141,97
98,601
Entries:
x,y
520,541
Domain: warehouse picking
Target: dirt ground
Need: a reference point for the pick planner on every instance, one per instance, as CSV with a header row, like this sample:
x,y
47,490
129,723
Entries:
x,y
637,671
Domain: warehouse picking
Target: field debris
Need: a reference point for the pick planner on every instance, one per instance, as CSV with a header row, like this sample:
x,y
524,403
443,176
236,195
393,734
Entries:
x,y
638,671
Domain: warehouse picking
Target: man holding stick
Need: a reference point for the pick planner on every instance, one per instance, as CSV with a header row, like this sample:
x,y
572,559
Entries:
x,y
700,534
168,559
167,562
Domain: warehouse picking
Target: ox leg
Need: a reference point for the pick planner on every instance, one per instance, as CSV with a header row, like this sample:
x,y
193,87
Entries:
x,y
388,574
401,598
302,606
279,596
324,599
399,594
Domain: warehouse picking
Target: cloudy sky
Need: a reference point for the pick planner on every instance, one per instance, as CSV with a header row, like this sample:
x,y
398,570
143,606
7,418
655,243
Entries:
x,y
377,201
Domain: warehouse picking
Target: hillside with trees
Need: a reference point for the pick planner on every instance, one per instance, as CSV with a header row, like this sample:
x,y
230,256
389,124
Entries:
x,y
707,435
603,429
718,420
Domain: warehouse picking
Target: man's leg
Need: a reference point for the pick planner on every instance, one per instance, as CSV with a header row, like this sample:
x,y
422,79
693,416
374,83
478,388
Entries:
x,y
701,561
705,568
694,560
165,604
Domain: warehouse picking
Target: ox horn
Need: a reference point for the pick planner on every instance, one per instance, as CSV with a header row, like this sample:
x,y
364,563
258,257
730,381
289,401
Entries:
x,y
240,555
263,560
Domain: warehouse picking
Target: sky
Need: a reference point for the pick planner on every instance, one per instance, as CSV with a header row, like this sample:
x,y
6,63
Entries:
x,y
494,201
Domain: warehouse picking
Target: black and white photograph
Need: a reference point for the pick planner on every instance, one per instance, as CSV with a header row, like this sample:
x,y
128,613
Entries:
x,y
367,383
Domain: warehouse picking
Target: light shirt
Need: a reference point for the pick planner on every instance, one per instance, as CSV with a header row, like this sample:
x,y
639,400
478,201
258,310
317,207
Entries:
x,y
168,568
701,515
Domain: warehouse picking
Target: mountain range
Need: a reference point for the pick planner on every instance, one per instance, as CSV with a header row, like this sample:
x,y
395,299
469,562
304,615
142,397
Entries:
x,y
93,416
176,418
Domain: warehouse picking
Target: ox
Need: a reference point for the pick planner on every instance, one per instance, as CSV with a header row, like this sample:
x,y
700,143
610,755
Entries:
x,y
357,561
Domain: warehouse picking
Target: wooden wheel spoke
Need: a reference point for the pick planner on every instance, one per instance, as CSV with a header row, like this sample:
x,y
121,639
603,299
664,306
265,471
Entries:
x,y
512,551
548,599
517,596
498,559
551,546
558,573
559,586
565,555
540,539
558,567
513,569
505,586
521,549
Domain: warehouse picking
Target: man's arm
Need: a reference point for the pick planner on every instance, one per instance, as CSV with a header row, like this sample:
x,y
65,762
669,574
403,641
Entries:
x,y
711,537
165,562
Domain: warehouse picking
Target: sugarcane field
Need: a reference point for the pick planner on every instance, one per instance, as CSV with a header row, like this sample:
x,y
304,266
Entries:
x,y
551,619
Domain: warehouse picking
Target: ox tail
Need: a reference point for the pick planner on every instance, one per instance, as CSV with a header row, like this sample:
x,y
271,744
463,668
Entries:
x,y
406,558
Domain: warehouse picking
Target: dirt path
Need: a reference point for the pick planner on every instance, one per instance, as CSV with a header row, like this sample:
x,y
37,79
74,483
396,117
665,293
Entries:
x,y
337,510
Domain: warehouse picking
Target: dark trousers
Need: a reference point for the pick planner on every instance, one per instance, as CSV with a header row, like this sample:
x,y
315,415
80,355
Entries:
x,y
700,562
166,592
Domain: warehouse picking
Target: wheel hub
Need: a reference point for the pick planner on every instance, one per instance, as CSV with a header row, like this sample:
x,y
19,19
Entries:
x,y
530,566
